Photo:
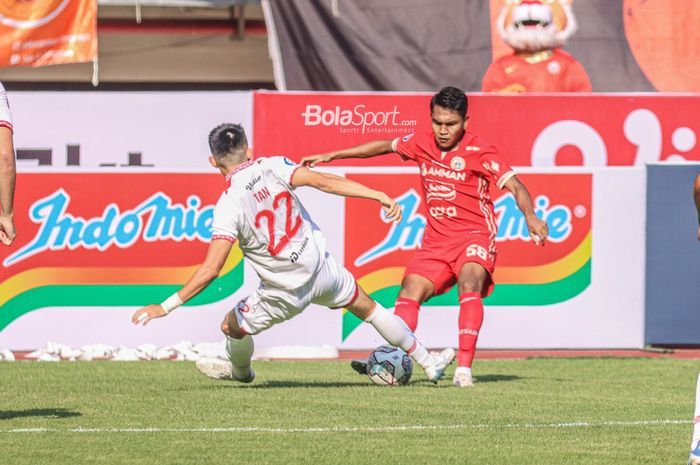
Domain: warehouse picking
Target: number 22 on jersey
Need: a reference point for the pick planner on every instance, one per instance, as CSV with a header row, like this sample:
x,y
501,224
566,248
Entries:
x,y
291,225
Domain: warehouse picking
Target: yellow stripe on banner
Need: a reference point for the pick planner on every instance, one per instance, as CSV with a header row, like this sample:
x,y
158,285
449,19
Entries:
x,y
47,276
550,272
541,274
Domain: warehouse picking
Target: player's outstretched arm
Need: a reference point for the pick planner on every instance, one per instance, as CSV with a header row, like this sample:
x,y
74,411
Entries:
x,y
696,196
205,274
366,150
538,228
7,186
342,186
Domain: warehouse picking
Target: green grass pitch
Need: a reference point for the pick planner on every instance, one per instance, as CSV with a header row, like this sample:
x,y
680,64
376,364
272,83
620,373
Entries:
x,y
536,411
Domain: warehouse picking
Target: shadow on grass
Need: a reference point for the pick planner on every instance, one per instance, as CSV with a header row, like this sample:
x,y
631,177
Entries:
x,y
496,378
38,412
289,384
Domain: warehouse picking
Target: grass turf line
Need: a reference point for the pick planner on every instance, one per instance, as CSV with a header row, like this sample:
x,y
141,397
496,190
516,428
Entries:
x,y
634,409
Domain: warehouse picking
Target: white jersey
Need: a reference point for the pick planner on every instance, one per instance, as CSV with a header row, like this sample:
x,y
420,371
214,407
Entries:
x,y
273,229
5,115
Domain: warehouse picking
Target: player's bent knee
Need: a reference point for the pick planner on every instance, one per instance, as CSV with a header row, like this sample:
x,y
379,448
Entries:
x,y
416,288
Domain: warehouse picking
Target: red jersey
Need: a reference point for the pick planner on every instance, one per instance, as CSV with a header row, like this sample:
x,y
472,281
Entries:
x,y
558,72
456,183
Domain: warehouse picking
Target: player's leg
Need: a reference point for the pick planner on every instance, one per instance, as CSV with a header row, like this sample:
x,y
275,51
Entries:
x,y
694,458
239,348
415,289
396,333
471,281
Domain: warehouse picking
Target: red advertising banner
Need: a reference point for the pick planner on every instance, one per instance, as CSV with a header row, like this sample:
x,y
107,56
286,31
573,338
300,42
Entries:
x,y
142,236
47,32
525,274
530,130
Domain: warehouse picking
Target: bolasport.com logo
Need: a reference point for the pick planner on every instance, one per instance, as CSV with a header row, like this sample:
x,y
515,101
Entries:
x,y
358,119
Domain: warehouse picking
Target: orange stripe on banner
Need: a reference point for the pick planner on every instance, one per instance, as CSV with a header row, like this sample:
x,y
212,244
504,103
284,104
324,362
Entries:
x,y
49,276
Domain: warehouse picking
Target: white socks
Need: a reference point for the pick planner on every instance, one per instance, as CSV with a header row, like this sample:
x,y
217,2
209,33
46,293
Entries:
x,y
396,333
240,352
463,370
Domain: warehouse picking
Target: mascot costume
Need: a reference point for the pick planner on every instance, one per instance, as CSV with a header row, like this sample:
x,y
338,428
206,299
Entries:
x,y
536,29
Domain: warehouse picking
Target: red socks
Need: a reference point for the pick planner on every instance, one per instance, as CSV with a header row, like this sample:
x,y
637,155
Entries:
x,y
407,310
471,316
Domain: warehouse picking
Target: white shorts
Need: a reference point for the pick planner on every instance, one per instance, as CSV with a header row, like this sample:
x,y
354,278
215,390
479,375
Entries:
x,y
5,114
333,286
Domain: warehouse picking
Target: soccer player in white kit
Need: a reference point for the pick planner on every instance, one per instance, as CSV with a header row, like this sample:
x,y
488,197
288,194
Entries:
x,y
7,172
287,250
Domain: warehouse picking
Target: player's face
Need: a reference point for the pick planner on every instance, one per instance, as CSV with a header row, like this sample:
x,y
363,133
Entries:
x,y
448,128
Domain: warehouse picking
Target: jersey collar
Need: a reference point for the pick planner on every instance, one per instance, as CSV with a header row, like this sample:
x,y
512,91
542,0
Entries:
x,y
237,169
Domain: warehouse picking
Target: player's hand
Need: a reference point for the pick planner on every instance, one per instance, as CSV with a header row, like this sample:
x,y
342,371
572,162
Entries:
x,y
313,160
146,314
538,229
7,229
699,234
392,210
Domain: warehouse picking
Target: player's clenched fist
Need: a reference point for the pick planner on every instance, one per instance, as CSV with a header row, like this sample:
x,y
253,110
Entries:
x,y
7,230
539,231
392,210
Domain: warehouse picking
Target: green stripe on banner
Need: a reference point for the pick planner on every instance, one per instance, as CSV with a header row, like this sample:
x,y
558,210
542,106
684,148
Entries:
x,y
113,296
504,294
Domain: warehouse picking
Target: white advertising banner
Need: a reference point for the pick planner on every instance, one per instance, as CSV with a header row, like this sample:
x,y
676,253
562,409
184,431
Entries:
x,y
583,290
121,131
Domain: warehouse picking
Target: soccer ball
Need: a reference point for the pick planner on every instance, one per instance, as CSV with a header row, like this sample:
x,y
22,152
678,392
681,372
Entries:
x,y
389,366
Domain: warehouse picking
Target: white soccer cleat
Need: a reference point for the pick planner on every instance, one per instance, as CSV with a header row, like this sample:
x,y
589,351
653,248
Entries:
x,y
436,371
462,379
222,369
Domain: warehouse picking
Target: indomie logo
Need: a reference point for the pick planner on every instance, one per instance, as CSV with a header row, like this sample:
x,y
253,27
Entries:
x,y
512,225
408,234
155,219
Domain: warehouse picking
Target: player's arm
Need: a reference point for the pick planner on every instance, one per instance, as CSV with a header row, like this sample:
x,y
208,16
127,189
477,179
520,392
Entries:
x,y
538,228
696,196
342,186
7,186
366,150
202,277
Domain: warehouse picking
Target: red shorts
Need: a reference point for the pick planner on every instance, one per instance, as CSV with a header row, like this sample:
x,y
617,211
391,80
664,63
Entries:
x,y
440,262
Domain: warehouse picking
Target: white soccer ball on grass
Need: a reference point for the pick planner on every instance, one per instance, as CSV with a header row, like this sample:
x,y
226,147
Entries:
x,y
389,366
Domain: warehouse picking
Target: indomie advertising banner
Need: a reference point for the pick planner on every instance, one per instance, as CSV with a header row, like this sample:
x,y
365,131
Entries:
x,y
47,32
525,275
530,130
109,240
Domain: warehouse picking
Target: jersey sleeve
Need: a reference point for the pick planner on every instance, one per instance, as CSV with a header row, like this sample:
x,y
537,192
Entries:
x,y
405,146
494,167
5,114
225,223
283,168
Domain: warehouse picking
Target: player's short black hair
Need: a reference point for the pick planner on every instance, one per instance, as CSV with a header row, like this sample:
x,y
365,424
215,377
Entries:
x,y
227,139
451,98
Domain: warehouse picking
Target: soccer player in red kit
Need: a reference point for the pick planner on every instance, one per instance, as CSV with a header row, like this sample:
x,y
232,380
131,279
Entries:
x,y
459,244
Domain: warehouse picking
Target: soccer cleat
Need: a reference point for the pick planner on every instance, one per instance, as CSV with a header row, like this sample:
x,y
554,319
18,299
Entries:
x,y
462,379
694,458
359,366
220,369
436,371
